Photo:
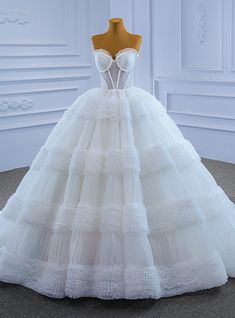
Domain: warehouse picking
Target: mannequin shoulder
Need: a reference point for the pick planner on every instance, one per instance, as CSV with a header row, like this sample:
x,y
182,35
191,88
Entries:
x,y
135,40
136,36
96,39
97,36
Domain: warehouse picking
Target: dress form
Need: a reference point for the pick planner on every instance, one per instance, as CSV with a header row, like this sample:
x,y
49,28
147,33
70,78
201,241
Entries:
x,y
116,38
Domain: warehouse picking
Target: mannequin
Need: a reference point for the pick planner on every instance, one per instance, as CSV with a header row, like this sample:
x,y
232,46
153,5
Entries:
x,y
116,38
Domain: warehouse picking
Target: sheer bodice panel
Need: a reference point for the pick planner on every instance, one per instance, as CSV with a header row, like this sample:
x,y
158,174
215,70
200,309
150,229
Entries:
x,y
116,73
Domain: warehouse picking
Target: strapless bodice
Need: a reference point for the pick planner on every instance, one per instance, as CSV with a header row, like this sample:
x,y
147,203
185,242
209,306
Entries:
x,y
115,73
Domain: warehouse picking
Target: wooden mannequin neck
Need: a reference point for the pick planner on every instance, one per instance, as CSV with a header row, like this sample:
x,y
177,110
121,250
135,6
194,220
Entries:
x,y
116,26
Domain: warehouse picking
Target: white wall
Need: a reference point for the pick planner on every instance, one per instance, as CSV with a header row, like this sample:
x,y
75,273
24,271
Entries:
x,y
187,60
188,53
193,70
45,63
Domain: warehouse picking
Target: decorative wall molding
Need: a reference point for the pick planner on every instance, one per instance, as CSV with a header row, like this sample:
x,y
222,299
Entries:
x,y
192,55
181,98
45,78
33,119
232,42
17,17
207,42
49,62
60,41
46,68
196,124
194,112
201,31
34,112
44,90
50,98
195,118
15,103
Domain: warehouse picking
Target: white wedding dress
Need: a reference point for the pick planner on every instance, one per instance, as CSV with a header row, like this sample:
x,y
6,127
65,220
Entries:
x,y
117,203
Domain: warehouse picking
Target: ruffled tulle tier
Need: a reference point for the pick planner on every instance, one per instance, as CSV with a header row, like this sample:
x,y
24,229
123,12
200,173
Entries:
x,y
117,204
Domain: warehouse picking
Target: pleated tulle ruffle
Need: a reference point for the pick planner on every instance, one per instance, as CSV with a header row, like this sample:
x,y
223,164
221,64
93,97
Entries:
x,y
117,204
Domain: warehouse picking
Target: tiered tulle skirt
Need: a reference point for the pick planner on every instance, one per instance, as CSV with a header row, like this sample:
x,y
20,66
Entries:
x,y
117,204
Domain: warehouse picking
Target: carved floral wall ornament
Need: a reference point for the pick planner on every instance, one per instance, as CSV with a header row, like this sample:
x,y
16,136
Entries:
x,y
11,16
21,103
201,31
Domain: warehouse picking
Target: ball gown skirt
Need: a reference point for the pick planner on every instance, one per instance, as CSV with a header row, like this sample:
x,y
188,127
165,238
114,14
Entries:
x,y
117,204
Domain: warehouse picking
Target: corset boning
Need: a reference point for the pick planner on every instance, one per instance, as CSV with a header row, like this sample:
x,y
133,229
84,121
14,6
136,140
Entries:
x,y
116,73
115,78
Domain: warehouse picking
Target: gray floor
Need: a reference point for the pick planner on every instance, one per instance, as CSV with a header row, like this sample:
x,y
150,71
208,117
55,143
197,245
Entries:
x,y
18,301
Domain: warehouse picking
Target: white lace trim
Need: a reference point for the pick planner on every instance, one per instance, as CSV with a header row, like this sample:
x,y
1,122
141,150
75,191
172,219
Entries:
x,y
179,214
116,115
110,282
128,159
121,108
125,50
177,278
127,218
117,54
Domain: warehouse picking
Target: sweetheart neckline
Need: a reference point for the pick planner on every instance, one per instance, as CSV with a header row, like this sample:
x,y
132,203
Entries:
x,y
116,54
